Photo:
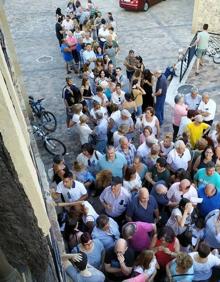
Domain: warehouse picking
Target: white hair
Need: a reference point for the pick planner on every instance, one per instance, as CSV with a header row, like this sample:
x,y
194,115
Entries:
x,y
179,143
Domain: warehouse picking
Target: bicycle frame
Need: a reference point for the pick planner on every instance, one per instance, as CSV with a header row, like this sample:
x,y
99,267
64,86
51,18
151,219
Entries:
x,y
39,132
36,107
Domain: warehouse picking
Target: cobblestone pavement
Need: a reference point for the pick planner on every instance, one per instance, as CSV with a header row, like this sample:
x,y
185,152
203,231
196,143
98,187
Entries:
x,y
156,35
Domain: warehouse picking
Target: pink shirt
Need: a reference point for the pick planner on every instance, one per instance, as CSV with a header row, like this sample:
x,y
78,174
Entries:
x,y
139,278
178,112
72,42
141,239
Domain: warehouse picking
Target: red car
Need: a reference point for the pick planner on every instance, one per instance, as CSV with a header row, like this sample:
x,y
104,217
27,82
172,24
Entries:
x,y
137,5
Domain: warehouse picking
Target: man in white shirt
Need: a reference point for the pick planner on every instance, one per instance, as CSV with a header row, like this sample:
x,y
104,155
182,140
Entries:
x,y
207,109
179,190
179,157
115,200
89,56
100,97
145,148
118,97
71,190
68,24
103,34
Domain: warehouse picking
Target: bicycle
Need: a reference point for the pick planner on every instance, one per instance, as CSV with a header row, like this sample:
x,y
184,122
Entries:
x,y
52,145
45,118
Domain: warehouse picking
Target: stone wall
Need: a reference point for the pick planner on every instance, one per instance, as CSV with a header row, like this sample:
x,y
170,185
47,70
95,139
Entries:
x,y
206,11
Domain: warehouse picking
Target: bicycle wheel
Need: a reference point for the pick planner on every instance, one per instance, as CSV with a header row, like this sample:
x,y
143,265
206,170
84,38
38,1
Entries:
x,y
54,146
48,121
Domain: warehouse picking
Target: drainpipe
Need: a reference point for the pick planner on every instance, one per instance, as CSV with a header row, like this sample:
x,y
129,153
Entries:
x,y
7,272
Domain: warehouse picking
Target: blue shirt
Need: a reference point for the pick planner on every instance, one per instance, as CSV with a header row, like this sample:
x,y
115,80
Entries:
x,y
209,203
108,239
97,276
95,255
116,166
138,213
101,130
66,55
186,277
211,237
161,84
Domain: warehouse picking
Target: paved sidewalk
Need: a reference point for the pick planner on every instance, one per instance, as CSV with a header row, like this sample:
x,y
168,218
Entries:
x,y
156,35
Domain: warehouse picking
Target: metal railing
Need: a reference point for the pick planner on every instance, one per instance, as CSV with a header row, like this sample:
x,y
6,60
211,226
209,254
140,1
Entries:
x,y
187,58
213,49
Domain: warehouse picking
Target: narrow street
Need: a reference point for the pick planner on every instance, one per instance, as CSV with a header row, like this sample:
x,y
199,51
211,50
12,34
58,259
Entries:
x,y
155,35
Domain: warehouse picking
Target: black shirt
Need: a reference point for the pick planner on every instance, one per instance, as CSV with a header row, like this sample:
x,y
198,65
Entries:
x,y
72,97
111,258
58,28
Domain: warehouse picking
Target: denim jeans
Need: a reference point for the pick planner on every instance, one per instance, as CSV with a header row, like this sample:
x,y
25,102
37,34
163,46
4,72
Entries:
x,y
139,111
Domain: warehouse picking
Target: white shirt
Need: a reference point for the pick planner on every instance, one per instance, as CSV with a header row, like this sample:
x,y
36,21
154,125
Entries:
x,y
183,123
118,99
143,150
76,117
93,160
84,132
91,214
210,107
103,34
98,99
151,269
102,109
166,150
176,162
116,138
191,102
130,185
89,55
73,194
203,271
119,204
173,223
68,25
174,194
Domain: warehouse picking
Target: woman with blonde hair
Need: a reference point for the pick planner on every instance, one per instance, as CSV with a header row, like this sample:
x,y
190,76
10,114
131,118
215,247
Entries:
x,y
180,269
83,129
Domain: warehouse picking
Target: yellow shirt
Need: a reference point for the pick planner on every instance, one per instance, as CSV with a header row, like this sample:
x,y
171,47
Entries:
x,y
196,131
137,94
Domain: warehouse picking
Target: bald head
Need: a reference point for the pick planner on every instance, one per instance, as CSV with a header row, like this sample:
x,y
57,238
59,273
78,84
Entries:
x,y
121,246
143,195
210,190
184,185
161,189
205,98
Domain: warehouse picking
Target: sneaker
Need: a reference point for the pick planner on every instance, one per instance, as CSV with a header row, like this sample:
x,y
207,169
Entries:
x,y
69,131
196,73
69,72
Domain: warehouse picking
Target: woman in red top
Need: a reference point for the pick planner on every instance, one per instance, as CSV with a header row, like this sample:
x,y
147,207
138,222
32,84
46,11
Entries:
x,y
166,246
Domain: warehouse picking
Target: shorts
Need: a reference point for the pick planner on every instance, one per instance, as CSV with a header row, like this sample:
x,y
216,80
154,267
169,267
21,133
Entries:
x,y
200,53
68,115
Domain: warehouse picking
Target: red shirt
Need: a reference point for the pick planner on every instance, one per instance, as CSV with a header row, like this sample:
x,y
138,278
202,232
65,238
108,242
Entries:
x,y
162,257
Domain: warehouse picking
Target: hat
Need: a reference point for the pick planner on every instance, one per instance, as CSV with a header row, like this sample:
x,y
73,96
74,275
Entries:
x,y
125,113
198,118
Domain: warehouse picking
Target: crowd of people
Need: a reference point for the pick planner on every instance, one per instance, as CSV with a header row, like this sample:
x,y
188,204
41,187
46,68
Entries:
x,y
156,197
